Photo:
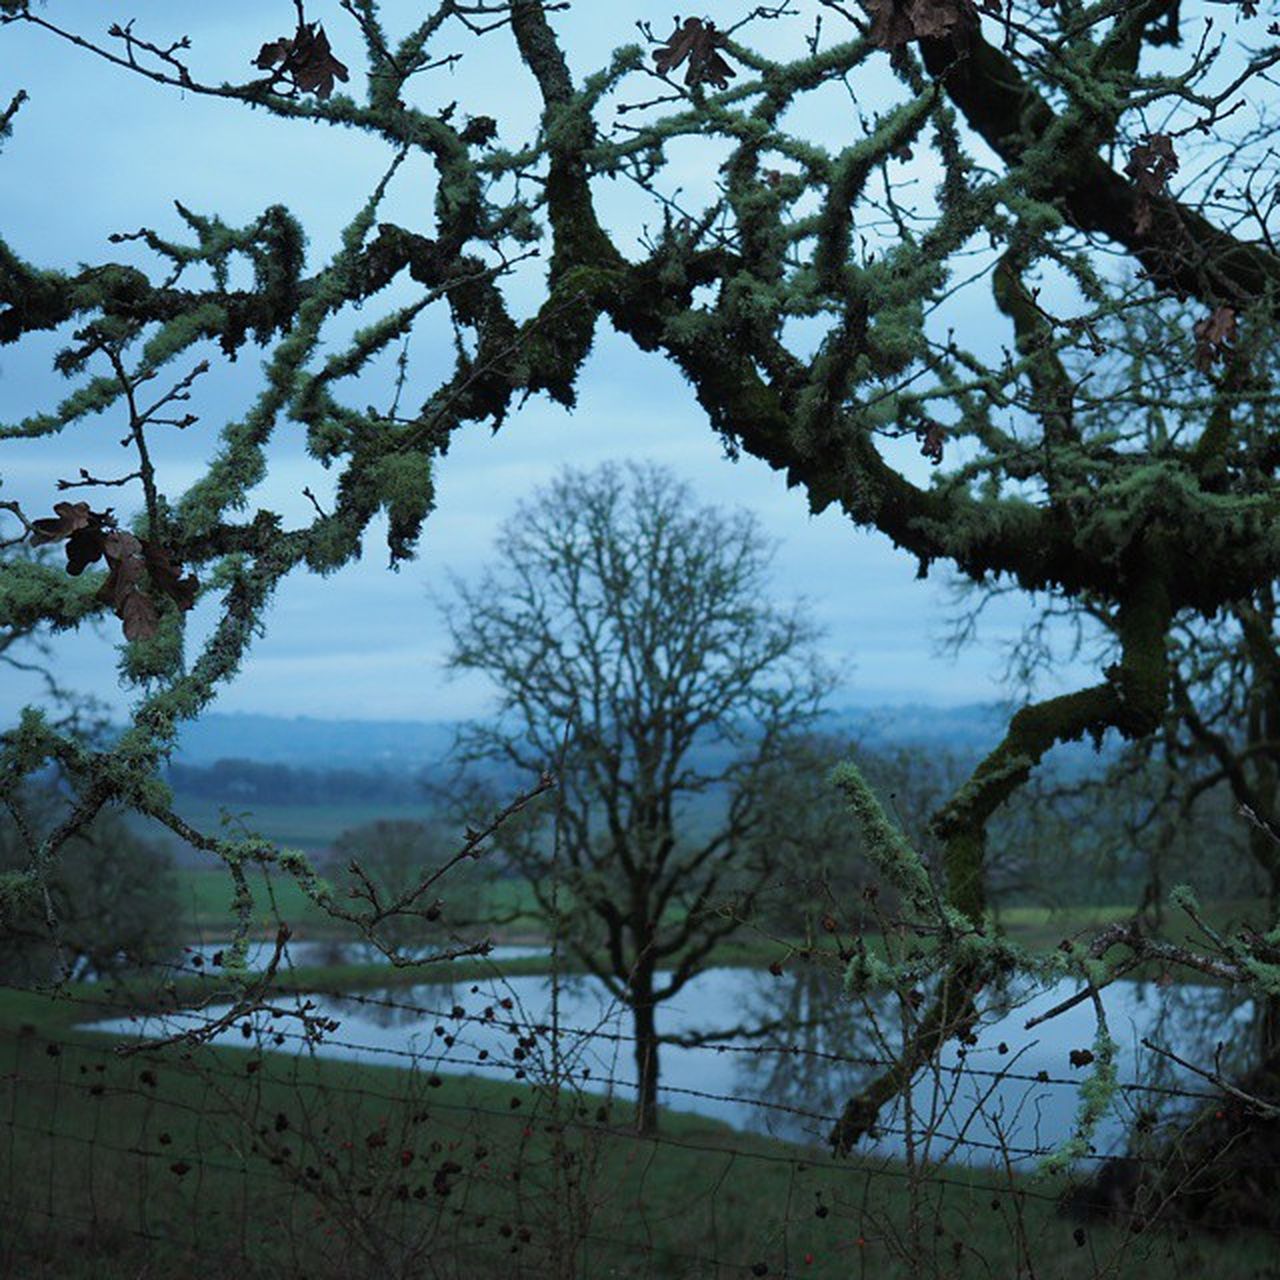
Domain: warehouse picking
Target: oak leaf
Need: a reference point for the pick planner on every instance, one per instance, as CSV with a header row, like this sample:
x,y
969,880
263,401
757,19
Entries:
x,y
272,52
306,58
1214,334
699,43
138,613
84,547
70,517
1151,164
133,564
897,22
165,574
932,436
123,589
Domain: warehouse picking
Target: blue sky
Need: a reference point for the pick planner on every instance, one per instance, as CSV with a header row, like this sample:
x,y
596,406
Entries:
x,y
97,150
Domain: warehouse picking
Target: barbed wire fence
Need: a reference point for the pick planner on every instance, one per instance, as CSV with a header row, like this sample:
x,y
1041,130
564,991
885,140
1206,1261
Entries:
x,y
473,1137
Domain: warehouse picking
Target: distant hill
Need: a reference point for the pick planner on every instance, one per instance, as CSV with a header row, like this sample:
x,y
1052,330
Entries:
x,y
396,745
968,731
408,745
383,761
971,727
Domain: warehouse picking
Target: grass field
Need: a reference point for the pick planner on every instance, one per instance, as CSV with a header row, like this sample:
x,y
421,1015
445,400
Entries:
x,y
205,895
312,828
235,1163
205,892
1039,928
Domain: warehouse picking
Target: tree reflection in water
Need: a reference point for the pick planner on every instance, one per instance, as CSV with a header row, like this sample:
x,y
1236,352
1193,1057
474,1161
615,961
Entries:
x,y
1012,1092
831,1046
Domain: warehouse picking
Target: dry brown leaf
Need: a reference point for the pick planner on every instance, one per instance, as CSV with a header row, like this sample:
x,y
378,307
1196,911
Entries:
x,y
306,58
932,436
898,22
125,564
82,528
69,517
1151,164
272,52
84,548
166,574
699,43
1214,334
139,616
123,589
135,567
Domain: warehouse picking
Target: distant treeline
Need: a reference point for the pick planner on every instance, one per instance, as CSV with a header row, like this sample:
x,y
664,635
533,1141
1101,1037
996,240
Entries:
x,y
234,780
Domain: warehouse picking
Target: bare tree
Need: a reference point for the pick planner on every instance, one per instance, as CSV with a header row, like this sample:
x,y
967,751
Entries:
x,y
395,856
818,855
636,653
113,898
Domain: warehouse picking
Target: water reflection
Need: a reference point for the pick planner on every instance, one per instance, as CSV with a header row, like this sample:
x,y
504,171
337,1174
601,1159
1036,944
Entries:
x,y
1011,1094
831,1046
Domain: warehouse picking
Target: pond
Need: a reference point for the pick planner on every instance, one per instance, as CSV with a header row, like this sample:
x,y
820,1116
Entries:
x,y
1014,1093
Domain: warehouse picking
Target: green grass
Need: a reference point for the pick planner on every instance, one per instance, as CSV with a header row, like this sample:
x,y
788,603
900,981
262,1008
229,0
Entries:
x,y
1040,928
1018,918
312,827
238,1164
205,893
110,999
88,1148
204,897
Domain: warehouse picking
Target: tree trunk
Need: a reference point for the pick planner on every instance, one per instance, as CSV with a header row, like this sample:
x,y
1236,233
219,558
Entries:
x,y
646,1032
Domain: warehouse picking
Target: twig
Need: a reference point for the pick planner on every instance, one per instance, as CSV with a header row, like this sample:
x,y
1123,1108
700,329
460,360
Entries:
x,y
409,902
1269,1110
86,480
26,525
1245,811
311,497
251,1002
